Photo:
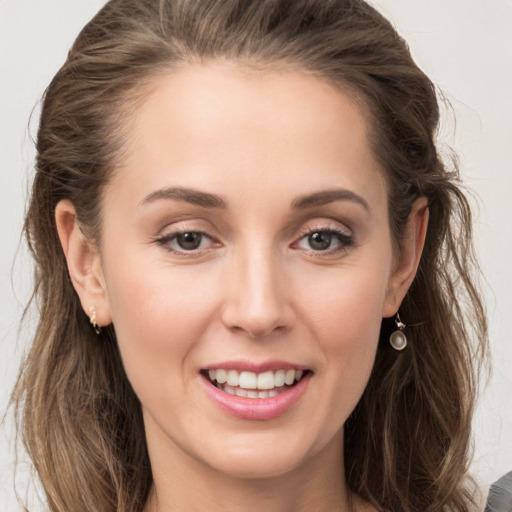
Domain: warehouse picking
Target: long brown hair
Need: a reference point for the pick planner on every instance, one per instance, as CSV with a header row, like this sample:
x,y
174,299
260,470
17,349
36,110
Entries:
x,y
407,442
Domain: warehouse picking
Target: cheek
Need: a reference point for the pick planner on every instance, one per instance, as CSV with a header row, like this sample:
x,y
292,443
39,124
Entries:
x,y
346,305
159,313
350,329
345,315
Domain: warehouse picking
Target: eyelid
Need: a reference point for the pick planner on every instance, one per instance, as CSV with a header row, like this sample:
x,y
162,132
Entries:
x,y
179,224
324,225
346,238
164,240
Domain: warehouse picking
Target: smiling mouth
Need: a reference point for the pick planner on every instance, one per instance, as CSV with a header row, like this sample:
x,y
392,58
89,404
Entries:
x,y
248,384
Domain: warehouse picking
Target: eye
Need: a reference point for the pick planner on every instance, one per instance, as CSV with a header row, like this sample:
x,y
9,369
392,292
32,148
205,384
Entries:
x,y
320,241
189,241
324,240
185,242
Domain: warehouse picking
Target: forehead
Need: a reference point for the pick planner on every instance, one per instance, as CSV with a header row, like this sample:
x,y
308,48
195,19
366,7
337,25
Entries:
x,y
216,123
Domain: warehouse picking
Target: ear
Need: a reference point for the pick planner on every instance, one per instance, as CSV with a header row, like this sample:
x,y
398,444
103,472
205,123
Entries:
x,y
84,263
408,259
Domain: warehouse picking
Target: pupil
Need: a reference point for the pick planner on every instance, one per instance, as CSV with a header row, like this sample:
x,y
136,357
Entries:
x,y
320,240
189,241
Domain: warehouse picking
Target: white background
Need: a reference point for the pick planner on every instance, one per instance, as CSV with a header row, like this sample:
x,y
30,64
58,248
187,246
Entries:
x,y
465,46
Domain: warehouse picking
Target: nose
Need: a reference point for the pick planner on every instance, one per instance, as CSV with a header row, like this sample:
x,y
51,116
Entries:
x,y
257,301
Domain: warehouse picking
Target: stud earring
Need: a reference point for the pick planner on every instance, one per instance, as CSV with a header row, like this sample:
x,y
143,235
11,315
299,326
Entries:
x,y
397,339
92,320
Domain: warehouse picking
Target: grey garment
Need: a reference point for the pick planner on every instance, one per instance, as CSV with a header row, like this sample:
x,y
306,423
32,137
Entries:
x,y
500,495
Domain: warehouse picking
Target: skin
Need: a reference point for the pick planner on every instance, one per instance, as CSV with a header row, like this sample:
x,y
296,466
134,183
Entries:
x,y
255,289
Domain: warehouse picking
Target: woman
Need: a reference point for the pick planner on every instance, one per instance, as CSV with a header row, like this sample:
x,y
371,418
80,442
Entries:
x,y
237,207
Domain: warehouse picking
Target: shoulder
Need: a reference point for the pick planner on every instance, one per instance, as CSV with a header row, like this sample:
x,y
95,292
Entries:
x,y
500,495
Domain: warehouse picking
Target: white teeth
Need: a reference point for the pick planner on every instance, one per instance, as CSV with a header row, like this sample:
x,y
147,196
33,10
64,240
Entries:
x,y
221,376
265,381
250,393
290,377
247,380
233,378
279,378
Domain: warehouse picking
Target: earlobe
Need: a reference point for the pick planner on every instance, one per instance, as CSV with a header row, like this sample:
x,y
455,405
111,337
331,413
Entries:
x,y
409,258
83,262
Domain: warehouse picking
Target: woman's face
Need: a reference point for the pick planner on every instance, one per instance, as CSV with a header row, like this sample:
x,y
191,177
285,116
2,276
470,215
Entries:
x,y
246,238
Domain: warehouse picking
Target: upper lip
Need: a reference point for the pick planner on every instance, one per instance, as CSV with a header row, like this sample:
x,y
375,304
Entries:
x,y
251,366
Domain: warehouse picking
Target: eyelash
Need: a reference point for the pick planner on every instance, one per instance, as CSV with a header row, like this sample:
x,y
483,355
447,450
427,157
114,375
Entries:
x,y
344,240
166,240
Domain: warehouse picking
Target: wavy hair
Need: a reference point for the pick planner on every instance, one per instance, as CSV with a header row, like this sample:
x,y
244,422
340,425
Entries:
x,y
407,443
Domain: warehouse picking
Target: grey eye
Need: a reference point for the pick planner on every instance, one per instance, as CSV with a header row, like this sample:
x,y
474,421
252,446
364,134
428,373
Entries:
x,y
320,240
189,241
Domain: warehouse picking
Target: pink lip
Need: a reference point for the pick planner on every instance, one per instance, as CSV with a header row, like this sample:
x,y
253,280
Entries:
x,y
250,366
256,409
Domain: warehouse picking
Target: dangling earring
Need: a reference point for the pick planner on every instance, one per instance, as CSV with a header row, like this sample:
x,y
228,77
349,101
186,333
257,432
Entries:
x,y
397,339
92,320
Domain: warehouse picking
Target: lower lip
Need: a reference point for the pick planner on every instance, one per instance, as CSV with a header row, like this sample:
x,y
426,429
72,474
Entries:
x,y
257,409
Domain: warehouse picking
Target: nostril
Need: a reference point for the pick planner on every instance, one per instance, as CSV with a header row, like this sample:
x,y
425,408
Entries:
x,y
259,330
257,309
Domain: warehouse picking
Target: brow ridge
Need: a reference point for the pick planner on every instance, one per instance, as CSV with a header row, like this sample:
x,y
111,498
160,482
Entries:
x,y
329,196
188,195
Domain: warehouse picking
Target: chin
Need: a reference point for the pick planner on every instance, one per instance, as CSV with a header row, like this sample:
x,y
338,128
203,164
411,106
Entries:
x,y
260,466
270,455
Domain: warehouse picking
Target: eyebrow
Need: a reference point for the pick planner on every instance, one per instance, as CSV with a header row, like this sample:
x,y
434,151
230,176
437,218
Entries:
x,y
208,200
186,195
329,196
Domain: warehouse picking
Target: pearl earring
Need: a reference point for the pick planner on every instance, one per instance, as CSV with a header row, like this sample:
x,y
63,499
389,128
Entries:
x,y
92,320
397,339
